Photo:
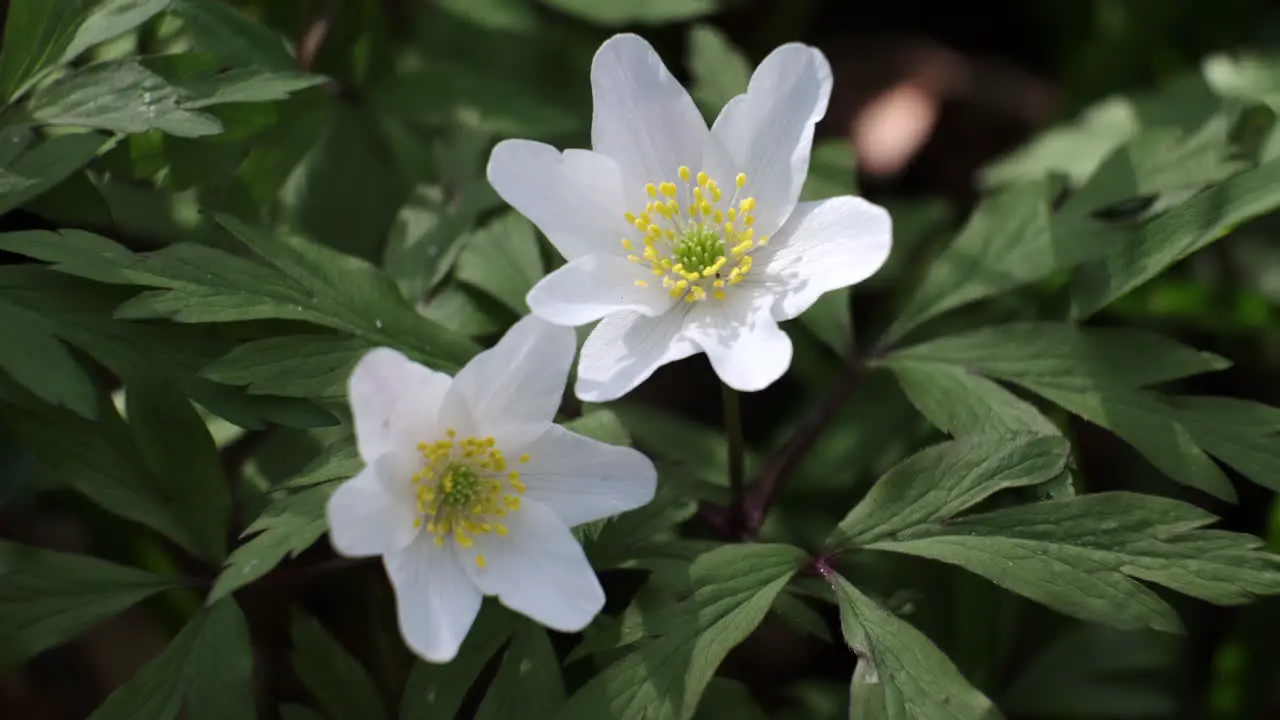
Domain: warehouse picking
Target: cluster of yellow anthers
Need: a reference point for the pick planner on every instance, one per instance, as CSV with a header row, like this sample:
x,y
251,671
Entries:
x,y
464,488
692,240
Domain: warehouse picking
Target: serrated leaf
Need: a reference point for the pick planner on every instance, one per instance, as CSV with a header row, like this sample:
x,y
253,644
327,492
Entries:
x,y
1156,244
36,34
1067,356
337,680
245,85
615,13
176,445
1148,425
108,468
121,96
939,482
33,356
290,524
720,70
633,536
47,597
446,91
111,18
314,366
528,683
1083,556
1240,433
225,30
502,259
1010,240
304,282
1164,164
437,691
961,403
734,587
901,673
79,313
206,670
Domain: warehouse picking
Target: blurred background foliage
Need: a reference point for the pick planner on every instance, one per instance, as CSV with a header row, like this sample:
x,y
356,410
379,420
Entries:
x,y
385,161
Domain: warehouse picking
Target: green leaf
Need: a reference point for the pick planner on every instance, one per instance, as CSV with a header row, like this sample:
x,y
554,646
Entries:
x,y
80,314
336,679
307,282
796,613
177,447
1010,240
502,259
1165,163
123,97
109,19
720,71
446,91
901,674
437,691
961,403
352,290
1240,433
628,539
290,524
1150,426
207,668
1154,245
615,13
47,597
528,684
245,85
311,366
36,34
939,482
1067,356
108,468
734,587
224,30
1082,556
34,357
41,167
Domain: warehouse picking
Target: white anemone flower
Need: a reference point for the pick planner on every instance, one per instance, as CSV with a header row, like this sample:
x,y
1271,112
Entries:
x,y
683,239
470,490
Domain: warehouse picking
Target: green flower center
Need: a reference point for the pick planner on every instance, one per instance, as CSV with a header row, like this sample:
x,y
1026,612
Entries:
x,y
699,248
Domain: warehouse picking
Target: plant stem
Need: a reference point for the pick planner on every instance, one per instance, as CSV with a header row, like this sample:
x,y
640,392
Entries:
x,y
737,450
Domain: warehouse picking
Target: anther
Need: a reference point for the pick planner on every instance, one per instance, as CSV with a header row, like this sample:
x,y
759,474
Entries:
x,y
740,180
684,173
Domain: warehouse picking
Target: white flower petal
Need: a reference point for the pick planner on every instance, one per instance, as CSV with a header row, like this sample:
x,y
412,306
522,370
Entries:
x,y
394,400
581,479
436,600
373,512
643,118
512,390
591,287
746,347
538,569
624,350
768,131
825,245
576,198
